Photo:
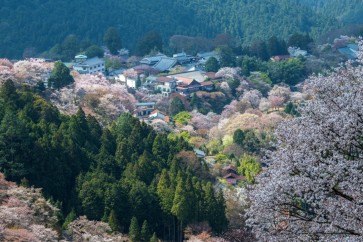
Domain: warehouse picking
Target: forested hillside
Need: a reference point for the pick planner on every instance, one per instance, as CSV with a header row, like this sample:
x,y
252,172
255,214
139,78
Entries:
x,y
125,173
41,24
346,11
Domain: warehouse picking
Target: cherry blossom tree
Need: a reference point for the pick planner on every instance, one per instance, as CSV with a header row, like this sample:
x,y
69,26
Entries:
x,y
31,71
280,91
83,229
228,72
25,215
312,189
200,121
264,105
253,97
97,95
276,101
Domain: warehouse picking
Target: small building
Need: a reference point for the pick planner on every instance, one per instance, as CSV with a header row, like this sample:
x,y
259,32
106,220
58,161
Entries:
x,y
166,85
90,66
157,114
152,60
144,109
232,179
207,86
165,64
182,58
229,169
150,82
80,58
349,51
199,76
131,82
199,153
187,86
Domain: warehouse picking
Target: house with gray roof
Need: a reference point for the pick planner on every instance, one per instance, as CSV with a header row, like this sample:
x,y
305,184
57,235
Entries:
x,y
90,66
165,64
152,60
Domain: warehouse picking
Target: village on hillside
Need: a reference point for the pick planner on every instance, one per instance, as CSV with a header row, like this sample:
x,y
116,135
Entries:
x,y
157,87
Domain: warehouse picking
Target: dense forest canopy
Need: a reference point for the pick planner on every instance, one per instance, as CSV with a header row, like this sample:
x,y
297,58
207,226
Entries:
x,y
39,25
115,173
346,11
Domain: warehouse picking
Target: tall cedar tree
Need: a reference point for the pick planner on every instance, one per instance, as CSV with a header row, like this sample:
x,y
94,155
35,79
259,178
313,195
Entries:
x,y
112,40
134,230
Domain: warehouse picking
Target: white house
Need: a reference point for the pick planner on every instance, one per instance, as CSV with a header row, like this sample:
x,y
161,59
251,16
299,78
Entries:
x,y
131,82
90,66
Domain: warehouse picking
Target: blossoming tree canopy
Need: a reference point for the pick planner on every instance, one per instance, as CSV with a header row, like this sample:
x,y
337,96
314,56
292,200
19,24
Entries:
x,y
313,187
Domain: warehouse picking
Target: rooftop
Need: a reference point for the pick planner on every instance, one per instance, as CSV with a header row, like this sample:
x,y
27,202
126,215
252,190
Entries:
x,y
90,62
196,75
165,63
145,104
164,79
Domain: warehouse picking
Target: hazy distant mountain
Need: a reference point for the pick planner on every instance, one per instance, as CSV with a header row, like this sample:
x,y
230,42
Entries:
x,y
43,23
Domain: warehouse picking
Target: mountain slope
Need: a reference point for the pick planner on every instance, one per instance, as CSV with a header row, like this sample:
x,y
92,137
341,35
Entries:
x,y
346,11
41,24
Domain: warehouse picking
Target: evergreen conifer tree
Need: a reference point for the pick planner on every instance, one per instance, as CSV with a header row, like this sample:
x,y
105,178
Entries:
x,y
145,232
113,221
154,238
134,230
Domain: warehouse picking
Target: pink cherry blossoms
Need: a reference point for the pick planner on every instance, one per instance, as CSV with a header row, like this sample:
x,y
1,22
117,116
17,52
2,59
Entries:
x,y
97,95
313,187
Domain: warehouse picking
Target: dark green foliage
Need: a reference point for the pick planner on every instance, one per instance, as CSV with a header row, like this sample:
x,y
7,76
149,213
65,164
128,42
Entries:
x,y
138,83
291,109
112,40
238,137
233,84
39,88
302,41
259,49
247,139
212,65
176,106
114,174
43,24
8,93
289,71
94,51
60,76
134,230
113,221
276,46
249,64
227,57
145,232
37,143
215,209
70,217
150,41
154,238
221,222
69,47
